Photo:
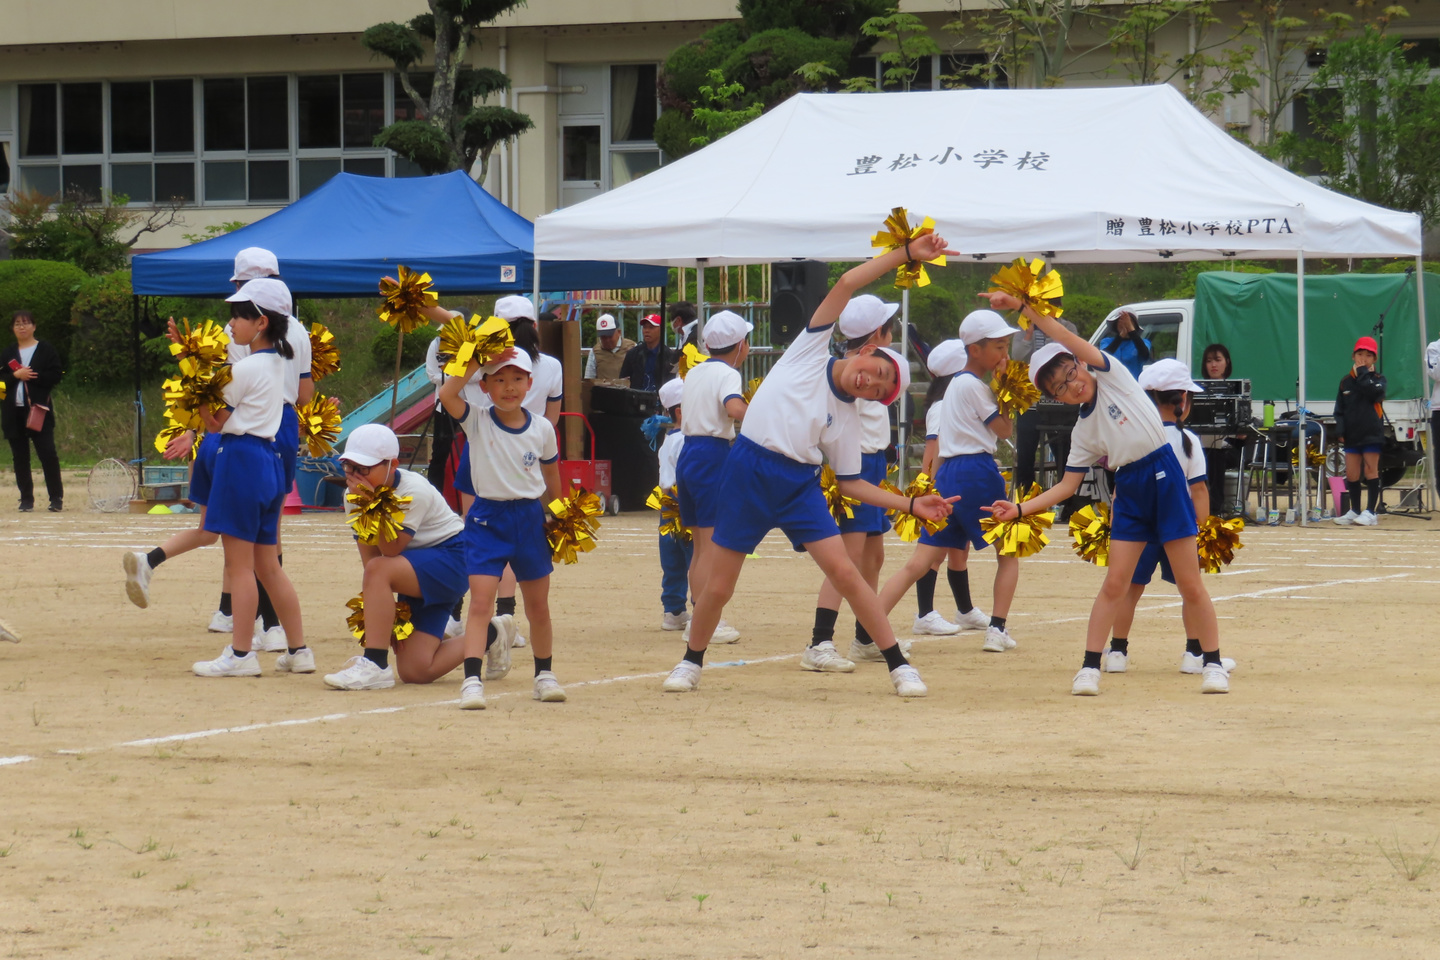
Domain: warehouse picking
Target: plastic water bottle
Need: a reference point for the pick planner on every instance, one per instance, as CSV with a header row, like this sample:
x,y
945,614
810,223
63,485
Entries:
x,y
1268,419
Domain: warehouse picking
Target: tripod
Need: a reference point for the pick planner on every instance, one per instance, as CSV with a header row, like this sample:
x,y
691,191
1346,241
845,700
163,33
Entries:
x,y
1378,331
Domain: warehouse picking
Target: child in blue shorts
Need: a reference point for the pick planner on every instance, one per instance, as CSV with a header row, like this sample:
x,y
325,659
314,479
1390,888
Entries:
x,y
675,552
1119,423
802,414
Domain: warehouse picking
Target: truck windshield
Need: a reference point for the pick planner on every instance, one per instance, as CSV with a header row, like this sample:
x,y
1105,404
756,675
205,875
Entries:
x,y
1163,332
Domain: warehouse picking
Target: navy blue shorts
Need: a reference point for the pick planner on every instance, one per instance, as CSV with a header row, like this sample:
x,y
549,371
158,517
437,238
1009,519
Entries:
x,y
202,473
463,483
500,532
869,519
1151,557
247,491
287,443
976,478
441,572
697,479
765,490
1366,448
1152,500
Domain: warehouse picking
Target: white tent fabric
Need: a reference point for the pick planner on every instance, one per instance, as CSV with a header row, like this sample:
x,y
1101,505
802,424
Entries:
x,y
1094,175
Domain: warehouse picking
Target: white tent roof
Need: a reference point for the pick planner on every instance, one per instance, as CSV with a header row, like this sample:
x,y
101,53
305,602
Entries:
x,y
1094,175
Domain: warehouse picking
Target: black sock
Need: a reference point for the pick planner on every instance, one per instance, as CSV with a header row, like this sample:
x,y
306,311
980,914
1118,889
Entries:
x,y
861,635
490,634
1192,647
1092,660
960,587
1372,494
894,657
225,607
1354,487
1212,656
265,608
542,664
504,606
473,667
293,650
696,657
824,628
155,557
925,592
381,657
1119,644
280,559
456,610
997,622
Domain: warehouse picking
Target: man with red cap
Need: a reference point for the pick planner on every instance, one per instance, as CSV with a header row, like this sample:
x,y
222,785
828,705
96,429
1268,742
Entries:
x,y
1360,421
651,363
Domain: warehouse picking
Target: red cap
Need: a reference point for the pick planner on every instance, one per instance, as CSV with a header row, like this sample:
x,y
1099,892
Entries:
x,y
1367,343
654,320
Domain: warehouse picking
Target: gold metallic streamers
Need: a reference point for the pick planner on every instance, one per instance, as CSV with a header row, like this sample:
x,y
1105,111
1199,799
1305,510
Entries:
x,y
319,424
356,621
1014,393
405,299
908,527
1023,537
748,393
1090,526
464,341
324,355
571,532
184,396
841,506
690,358
1315,458
1033,284
896,233
200,348
380,513
663,499
2,390
169,432
1217,542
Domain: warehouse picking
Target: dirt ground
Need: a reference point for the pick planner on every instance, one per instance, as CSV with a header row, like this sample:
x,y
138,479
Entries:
x,y
774,813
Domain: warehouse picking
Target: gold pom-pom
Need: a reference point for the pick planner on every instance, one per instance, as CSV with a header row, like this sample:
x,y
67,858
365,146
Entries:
x,y
466,340
200,348
664,500
1217,542
169,432
184,396
405,299
1314,456
356,621
1023,537
895,234
319,424
571,525
379,514
841,506
324,355
1090,526
748,393
690,358
1033,284
909,527
1014,393
2,390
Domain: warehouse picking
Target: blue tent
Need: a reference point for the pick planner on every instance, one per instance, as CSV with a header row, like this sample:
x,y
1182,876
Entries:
x,y
341,239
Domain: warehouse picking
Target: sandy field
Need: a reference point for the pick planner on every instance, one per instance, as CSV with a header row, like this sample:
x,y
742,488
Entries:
x,y
774,813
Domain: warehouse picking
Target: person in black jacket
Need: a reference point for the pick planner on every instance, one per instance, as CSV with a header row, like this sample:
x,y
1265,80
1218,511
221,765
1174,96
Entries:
x,y
651,363
30,370
1360,422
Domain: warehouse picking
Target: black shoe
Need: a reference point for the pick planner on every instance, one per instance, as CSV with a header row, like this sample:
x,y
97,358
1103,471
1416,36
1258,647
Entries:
x,y
26,506
56,506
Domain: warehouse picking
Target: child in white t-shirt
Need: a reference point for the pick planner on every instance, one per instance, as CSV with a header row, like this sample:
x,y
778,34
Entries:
x,y
675,552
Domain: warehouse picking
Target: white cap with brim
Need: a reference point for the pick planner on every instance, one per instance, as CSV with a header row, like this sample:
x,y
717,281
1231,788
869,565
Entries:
x,y
514,307
725,329
984,325
947,359
1041,357
672,391
518,358
370,443
267,293
1168,374
254,262
902,370
865,314
605,324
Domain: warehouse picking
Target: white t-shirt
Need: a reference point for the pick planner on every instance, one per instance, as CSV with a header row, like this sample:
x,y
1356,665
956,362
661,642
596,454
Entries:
x,y
799,413
969,409
1194,464
670,456
1122,424
707,387
428,518
933,415
1432,370
874,425
26,355
255,394
505,463
299,366
547,383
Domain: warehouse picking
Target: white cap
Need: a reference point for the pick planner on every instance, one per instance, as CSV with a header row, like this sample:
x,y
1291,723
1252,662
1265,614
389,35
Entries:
x,y
947,359
725,329
605,324
370,443
671,392
267,293
253,262
1168,374
514,307
984,325
519,358
864,315
1044,355
902,368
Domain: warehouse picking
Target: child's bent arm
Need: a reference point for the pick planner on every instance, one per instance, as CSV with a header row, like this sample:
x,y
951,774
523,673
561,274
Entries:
x,y
393,548
736,408
1200,496
931,507
551,473
450,397
1003,427
1082,349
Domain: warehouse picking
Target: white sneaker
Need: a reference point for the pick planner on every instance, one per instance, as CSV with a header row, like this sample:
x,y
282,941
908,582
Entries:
x,y
453,628
547,688
229,664
497,657
823,658
934,625
1190,663
221,623
8,633
301,661
472,694
973,619
359,674
137,578
1367,519
272,640
1215,679
1347,518
907,682
870,653
1087,683
683,679
998,640
1114,661
674,621
519,637
724,633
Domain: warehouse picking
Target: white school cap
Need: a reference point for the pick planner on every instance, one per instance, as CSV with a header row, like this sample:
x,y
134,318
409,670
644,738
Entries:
x,y
865,314
984,325
267,293
253,262
605,324
725,329
514,307
1168,374
947,359
1040,357
370,443
519,358
672,391
902,371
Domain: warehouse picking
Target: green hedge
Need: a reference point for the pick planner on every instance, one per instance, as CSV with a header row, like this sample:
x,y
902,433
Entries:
x,y
47,289
382,348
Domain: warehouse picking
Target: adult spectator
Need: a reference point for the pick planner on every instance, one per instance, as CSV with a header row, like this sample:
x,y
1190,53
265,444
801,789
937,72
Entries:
x,y
1221,455
1124,342
608,354
685,322
30,370
1432,370
1027,425
650,364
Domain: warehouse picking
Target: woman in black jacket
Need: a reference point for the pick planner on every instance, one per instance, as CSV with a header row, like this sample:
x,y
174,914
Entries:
x,y
1360,422
30,370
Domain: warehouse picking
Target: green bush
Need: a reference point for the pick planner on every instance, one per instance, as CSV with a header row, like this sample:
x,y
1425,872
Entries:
x,y
688,67
766,63
101,319
1086,312
382,348
47,289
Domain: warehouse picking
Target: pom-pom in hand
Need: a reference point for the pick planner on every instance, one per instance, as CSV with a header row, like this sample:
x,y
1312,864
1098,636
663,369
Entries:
x,y
407,296
1217,542
924,246
908,527
1090,526
198,349
690,358
356,621
1014,393
571,524
664,500
319,424
1032,285
1018,536
324,355
379,514
842,508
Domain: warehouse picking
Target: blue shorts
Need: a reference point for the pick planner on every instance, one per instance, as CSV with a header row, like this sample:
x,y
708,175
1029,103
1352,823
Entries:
x,y
247,490
1151,557
500,532
441,572
765,490
463,483
1365,448
1152,500
976,478
287,443
202,474
868,518
697,479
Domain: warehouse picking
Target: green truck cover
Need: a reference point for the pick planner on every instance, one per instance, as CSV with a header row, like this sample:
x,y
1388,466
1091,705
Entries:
x,y
1254,314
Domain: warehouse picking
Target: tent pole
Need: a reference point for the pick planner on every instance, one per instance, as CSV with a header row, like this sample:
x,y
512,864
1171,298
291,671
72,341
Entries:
x,y
699,301
1424,343
139,388
900,422
1300,440
535,278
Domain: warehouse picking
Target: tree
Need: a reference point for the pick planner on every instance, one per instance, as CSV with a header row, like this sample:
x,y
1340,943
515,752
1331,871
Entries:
x,y
78,229
1211,69
454,127
1027,43
911,42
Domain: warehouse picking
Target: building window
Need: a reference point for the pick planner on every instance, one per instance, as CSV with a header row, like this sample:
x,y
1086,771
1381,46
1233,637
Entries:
x,y
39,120
607,134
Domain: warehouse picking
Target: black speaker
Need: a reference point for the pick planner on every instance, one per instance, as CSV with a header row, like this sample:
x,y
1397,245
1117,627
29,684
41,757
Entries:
x,y
796,289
